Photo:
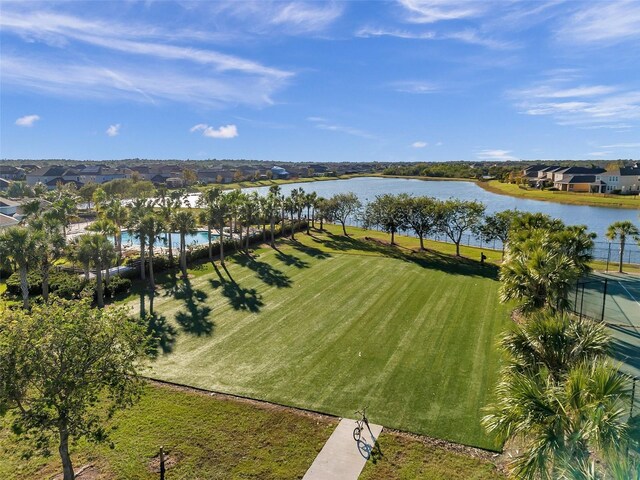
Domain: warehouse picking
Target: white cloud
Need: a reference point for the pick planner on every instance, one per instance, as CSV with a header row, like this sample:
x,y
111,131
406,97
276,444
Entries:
x,y
224,131
27,120
418,87
419,144
366,32
113,130
599,154
496,155
581,105
430,11
439,144
603,22
467,36
307,17
622,145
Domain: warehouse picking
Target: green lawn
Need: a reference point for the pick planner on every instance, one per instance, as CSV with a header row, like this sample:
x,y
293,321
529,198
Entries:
x,y
220,438
210,437
332,324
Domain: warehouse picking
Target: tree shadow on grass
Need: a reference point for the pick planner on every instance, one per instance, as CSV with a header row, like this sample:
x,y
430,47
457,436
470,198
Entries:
x,y
239,298
196,317
426,259
266,273
161,335
291,260
311,251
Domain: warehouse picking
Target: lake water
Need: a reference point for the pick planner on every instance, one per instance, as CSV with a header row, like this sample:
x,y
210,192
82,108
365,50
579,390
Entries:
x,y
597,219
366,188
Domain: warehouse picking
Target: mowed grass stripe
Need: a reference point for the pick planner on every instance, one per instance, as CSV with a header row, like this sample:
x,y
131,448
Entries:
x,y
414,343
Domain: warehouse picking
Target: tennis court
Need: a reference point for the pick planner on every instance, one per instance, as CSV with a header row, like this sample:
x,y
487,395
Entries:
x,y
615,299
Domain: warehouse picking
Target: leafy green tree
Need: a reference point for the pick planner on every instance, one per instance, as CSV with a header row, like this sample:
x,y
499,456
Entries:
x,y
460,216
101,253
388,213
18,244
65,207
421,214
86,193
64,368
343,206
498,226
185,223
622,231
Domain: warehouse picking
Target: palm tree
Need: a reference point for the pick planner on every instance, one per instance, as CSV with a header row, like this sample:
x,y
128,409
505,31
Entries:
x,y
65,206
139,208
566,427
273,206
622,230
299,201
310,201
31,209
249,209
118,214
168,205
50,245
151,227
100,251
555,342
209,200
18,244
185,223
289,206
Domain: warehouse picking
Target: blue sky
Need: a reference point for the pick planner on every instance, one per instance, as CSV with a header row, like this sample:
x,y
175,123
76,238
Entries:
x,y
404,80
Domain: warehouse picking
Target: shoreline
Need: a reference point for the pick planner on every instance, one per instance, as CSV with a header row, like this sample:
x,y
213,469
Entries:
x,y
566,198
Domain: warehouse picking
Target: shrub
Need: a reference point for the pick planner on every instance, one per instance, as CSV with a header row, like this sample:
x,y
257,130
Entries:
x,y
116,286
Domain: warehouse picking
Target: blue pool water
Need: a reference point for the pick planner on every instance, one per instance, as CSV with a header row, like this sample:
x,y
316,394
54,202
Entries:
x,y
198,238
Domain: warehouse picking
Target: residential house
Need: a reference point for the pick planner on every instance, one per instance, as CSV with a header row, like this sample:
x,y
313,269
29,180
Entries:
x,y
8,207
279,173
79,175
6,221
578,179
624,180
9,172
4,184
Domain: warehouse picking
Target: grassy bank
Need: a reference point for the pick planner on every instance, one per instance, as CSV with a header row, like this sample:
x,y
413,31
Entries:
x,y
220,437
269,183
591,199
332,323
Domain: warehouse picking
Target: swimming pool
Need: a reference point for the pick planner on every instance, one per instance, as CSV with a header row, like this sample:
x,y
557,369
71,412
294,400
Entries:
x,y
198,238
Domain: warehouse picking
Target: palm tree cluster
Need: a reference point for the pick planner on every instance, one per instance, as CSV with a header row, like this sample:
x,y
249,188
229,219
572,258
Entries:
x,y
559,399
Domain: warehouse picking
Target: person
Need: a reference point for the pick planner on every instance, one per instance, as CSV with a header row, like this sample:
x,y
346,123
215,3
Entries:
x,y
483,257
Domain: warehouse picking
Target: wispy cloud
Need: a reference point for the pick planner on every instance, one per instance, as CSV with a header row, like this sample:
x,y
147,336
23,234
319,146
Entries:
x,y
415,86
145,69
223,132
581,105
366,32
27,120
431,11
495,155
599,154
602,22
419,144
113,130
622,145
278,17
324,124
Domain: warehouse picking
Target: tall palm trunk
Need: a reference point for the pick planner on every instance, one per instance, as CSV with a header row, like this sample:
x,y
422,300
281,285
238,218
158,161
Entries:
x,y
85,265
221,240
209,238
248,235
622,242
273,230
24,286
152,283
183,255
293,226
308,208
170,249
119,243
63,449
240,238
143,275
264,233
99,286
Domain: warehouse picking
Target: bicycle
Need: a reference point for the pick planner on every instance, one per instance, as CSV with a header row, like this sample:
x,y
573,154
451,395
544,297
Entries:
x,y
357,432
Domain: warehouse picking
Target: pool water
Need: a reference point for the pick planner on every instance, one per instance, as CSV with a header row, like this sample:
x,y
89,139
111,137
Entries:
x,y
198,238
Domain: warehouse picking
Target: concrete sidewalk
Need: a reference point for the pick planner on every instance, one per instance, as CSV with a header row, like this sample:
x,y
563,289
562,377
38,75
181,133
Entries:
x,y
342,458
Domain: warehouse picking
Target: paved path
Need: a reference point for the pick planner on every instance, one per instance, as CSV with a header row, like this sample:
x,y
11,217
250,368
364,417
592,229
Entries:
x,y
342,458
